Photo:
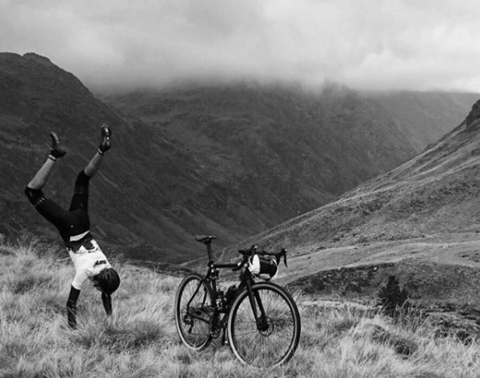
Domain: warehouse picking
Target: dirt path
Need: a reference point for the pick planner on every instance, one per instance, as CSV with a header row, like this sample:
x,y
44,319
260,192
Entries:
x,y
456,249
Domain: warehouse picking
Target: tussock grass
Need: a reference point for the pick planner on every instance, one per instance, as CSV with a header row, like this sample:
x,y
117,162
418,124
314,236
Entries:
x,y
339,339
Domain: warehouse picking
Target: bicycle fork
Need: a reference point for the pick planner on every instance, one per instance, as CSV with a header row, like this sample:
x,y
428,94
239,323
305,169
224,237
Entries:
x,y
255,300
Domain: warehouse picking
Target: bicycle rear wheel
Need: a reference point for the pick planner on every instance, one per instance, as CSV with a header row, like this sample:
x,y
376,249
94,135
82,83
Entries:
x,y
193,312
275,338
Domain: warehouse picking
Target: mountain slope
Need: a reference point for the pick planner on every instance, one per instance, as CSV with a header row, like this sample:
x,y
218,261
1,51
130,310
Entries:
x,y
280,149
159,186
267,154
37,97
231,160
421,222
427,116
435,192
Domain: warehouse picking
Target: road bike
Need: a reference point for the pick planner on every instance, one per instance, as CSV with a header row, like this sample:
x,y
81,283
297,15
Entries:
x,y
260,320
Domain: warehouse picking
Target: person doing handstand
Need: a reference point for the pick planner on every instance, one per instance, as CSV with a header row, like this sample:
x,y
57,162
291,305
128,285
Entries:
x,y
74,226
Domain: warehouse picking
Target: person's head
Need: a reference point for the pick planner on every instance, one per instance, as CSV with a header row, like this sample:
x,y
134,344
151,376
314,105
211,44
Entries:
x,y
107,281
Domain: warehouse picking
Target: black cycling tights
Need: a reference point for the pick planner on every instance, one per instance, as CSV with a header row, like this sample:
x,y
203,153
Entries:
x,y
71,222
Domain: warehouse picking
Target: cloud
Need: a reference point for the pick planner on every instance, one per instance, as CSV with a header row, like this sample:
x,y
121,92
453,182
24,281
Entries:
x,y
374,44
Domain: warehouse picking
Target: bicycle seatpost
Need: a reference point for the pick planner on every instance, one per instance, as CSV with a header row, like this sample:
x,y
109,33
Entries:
x,y
207,240
209,249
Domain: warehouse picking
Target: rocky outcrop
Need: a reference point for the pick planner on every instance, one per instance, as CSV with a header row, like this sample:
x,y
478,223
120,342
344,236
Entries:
x,y
474,114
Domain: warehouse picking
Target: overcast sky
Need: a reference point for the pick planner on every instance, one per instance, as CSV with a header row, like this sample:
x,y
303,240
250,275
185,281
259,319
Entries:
x,y
365,44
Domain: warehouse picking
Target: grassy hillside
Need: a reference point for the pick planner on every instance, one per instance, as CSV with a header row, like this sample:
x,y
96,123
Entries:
x,y
339,339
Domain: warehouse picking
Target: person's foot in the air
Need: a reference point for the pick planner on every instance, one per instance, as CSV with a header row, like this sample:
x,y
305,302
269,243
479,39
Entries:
x,y
56,151
105,142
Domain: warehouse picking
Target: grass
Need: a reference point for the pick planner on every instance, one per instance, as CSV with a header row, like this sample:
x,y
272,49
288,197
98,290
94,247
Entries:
x,y
339,339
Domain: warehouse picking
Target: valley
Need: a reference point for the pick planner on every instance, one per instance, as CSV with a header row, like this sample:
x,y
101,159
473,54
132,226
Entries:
x,y
231,160
343,180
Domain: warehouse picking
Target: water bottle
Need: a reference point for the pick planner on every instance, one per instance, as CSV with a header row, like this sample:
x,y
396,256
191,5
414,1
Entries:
x,y
220,300
230,296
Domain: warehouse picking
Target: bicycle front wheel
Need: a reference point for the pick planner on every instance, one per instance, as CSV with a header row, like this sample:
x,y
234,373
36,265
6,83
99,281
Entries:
x,y
193,312
271,339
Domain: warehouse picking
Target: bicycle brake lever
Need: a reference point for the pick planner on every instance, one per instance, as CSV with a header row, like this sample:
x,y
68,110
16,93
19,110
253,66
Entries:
x,y
284,252
278,256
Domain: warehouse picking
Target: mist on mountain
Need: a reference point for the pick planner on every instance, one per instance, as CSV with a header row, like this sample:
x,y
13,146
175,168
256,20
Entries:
x,y
399,45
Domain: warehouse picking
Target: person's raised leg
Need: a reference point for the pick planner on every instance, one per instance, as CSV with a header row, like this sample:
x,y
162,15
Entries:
x,y
105,143
46,207
80,196
41,177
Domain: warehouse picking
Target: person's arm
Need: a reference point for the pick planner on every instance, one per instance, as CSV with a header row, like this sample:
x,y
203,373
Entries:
x,y
107,303
80,277
72,307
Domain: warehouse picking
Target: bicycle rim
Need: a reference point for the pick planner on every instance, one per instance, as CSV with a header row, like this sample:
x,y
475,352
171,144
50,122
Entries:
x,y
275,341
193,312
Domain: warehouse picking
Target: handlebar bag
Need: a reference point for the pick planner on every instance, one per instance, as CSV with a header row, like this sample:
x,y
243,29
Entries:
x,y
264,267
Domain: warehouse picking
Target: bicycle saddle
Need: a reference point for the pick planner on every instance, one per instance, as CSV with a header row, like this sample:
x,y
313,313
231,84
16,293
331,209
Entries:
x,y
204,238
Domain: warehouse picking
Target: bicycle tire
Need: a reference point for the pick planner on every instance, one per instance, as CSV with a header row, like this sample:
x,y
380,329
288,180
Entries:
x,y
193,312
274,345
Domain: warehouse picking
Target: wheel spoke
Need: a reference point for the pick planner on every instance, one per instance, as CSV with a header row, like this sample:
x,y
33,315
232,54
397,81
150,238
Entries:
x,y
193,312
274,339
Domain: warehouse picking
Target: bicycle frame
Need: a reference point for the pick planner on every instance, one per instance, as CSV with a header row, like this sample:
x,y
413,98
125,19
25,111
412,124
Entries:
x,y
246,280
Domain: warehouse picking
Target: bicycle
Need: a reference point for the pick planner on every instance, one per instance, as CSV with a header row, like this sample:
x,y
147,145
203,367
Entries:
x,y
260,319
